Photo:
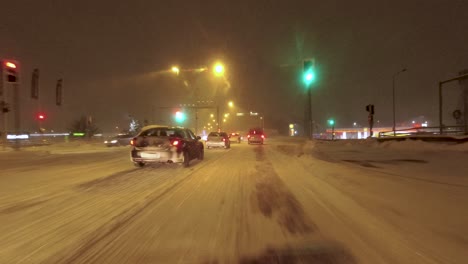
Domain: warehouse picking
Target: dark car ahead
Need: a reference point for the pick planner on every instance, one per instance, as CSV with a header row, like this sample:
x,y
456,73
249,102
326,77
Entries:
x,y
119,140
256,136
166,144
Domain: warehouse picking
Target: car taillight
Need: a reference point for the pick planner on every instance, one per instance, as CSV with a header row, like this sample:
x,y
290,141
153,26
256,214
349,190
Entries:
x,y
175,142
248,136
133,141
224,139
263,136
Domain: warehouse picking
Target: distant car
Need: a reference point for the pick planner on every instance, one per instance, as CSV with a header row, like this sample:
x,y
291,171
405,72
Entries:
x,y
255,136
119,140
166,144
218,140
235,137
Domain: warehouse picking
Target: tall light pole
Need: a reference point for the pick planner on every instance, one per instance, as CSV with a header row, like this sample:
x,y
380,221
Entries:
x,y
393,89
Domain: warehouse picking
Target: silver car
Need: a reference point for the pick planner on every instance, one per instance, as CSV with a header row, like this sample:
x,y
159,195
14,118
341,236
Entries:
x,y
218,140
166,144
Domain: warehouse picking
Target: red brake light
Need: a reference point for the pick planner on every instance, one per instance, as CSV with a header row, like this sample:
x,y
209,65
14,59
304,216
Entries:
x,y
248,135
10,65
224,139
175,142
132,142
263,136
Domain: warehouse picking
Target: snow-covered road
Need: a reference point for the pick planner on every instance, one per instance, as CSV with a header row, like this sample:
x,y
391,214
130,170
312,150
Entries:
x,y
288,201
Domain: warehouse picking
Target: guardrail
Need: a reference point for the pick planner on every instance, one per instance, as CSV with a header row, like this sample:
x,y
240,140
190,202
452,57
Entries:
x,y
413,131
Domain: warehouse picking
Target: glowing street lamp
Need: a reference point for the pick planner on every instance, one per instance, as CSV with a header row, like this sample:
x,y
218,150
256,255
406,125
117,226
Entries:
x,y
175,70
231,104
218,69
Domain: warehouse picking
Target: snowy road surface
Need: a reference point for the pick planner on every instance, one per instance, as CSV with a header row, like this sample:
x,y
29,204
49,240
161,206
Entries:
x,y
284,202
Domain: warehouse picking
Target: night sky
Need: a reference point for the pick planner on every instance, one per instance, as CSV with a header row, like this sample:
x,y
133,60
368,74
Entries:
x,y
114,57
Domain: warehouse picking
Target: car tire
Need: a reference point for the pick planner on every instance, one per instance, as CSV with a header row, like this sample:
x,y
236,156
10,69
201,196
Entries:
x,y
201,154
186,162
139,164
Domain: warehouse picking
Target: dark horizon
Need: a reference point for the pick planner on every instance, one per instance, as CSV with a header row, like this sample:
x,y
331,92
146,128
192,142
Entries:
x,y
109,55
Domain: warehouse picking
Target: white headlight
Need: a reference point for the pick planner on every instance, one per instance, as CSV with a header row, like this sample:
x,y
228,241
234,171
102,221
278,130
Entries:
x,y
114,141
105,142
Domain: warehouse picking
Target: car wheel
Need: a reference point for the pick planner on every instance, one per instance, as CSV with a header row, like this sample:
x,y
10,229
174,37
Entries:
x,y
186,159
139,164
201,154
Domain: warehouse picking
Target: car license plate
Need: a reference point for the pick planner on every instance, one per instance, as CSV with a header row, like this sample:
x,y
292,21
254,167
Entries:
x,y
150,155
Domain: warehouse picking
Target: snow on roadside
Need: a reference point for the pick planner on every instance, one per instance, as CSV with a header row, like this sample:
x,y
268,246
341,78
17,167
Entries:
x,y
406,145
418,145
69,148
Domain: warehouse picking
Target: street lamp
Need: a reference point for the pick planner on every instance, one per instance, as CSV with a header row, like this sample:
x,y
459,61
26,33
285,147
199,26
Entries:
x,y
218,69
231,104
175,70
393,89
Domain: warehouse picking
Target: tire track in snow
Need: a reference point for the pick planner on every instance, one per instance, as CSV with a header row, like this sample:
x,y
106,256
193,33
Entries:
x,y
273,199
126,217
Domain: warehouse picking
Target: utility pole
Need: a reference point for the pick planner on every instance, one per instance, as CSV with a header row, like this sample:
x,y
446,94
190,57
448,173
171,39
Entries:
x,y
393,92
217,117
370,109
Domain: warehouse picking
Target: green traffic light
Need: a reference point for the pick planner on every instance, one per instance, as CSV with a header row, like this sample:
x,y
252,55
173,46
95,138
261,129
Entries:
x,y
331,122
309,77
179,117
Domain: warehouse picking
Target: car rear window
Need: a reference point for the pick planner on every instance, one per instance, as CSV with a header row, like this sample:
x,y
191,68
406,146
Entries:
x,y
255,132
214,134
163,132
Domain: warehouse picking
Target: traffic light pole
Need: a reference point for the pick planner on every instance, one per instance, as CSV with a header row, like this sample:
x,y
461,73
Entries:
x,y
16,96
311,130
333,132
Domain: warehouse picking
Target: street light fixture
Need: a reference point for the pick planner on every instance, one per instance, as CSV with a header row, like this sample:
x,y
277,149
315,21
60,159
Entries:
x,y
175,70
218,69
231,104
393,89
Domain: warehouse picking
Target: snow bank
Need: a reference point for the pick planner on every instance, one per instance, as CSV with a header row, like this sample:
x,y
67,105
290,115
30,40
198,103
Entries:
x,y
418,145
71,148
406,145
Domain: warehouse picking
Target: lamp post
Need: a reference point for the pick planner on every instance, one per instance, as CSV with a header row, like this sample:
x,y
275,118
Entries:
x,y
393,92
